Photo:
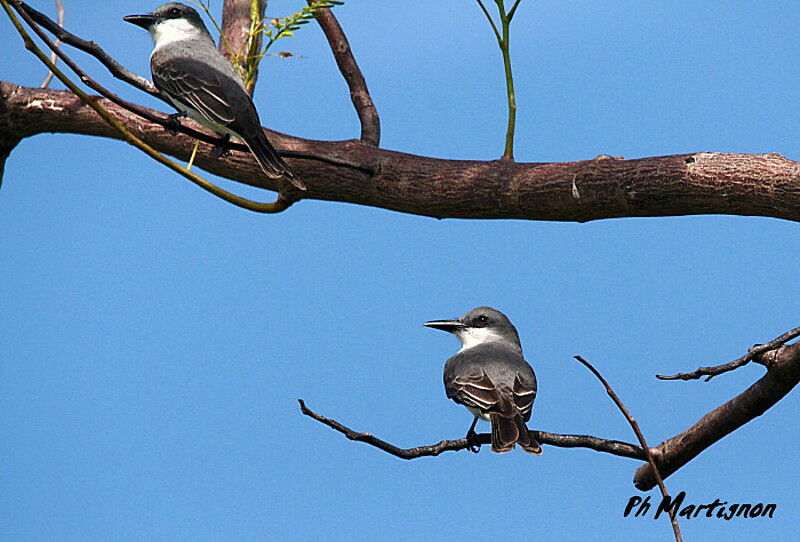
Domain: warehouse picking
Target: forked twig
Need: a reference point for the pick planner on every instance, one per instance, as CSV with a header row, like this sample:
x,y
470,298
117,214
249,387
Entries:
x,y
752,353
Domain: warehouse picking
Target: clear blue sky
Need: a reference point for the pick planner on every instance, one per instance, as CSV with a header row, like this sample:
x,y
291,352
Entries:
x,y
154,340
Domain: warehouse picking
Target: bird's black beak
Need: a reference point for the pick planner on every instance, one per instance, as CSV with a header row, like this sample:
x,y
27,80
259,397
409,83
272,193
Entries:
x,y
451,326
145,21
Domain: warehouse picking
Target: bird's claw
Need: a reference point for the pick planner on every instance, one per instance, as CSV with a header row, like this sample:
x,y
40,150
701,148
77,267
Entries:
x,y
219,150
172,123
472,445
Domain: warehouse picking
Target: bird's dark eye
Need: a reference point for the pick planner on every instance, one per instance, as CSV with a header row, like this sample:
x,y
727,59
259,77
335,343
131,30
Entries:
x,y
174,12
482,320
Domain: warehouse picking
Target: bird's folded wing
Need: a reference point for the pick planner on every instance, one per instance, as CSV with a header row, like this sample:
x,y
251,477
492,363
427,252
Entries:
x,y
198,87
524,394
476,390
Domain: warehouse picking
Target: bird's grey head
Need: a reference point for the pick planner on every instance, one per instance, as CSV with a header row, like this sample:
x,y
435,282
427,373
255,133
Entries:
x,y
478,326
172,22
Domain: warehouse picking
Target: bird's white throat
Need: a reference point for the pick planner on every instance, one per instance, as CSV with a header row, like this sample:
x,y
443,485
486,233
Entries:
x,y
473,336
172,30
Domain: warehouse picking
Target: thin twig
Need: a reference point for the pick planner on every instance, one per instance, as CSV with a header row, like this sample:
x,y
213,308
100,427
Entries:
x,y
281,204
54,56
513,10
639,435
505,47
503,41
348,67
615,447
491,22
711,372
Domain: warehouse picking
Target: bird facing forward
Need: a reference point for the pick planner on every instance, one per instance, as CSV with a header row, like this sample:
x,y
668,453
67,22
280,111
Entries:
x,y
200,82
490,377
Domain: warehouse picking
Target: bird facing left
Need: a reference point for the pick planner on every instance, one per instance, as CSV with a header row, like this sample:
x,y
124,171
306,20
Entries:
x,y
490,377
190,71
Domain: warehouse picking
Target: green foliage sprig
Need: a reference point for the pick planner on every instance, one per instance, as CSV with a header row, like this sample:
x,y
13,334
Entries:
x,y
263,34
503,34
285,27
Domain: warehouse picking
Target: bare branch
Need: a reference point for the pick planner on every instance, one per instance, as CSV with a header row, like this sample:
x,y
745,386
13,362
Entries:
x,y
6,146
783,374
27,14
753,353
701,183
53,56
359,94
640,436
614,447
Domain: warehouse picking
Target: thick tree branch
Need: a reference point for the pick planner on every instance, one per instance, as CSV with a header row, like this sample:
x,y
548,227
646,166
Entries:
x,y
699,183
783,374
236,41
236,25
359,94
614,447
752,354
6,146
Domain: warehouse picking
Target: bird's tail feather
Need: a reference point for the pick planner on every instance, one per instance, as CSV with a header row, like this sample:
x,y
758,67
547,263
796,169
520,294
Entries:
x,y
526,440
270,161
507,431
504,433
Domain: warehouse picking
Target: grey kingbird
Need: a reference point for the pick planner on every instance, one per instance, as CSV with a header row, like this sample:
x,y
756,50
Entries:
x,y
490,377
201,83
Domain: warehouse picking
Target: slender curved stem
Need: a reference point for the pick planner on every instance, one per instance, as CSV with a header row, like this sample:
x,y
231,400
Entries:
x,y
503,40
505,20
54,56
345,60
491,22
